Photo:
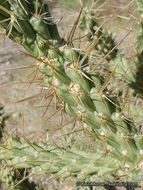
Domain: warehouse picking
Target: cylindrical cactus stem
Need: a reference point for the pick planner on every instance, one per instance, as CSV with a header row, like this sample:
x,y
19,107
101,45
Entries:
x,y
46,159
124,69
106,42
139,44
52,26
11,177
132,75
84,101
20,8
30,24
73,85
2,120
8,177
1,115
79,91
137,85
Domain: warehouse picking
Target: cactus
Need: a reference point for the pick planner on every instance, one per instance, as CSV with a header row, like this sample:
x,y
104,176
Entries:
x,y
139,62
140,26
132,75
106,43
83,95
11,179
2,118
33,29
11,176
43,158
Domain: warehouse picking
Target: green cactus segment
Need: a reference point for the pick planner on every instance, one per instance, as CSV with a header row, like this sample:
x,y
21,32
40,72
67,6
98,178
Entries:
x,y
79,90
139,142
76,77
132,111
19,7
131,74
2,119
8,176
40,27
122,124
101,103
139,43
46,159
124,69
29,23
52,26
4,7
72,85
139,48
1,115
106,43
139,77
11,176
